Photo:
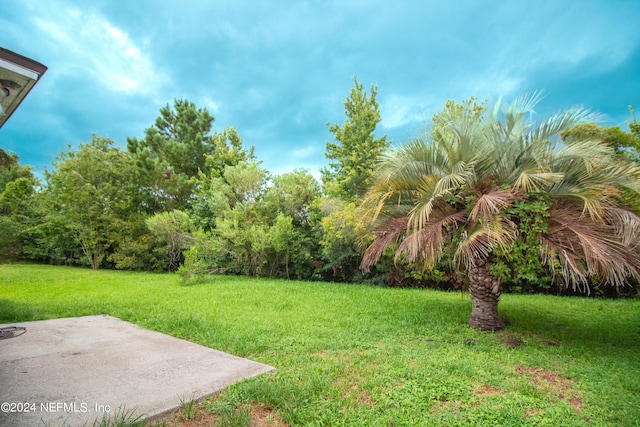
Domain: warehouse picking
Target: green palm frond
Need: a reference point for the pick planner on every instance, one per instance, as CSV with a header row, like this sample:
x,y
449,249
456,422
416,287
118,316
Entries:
x,y
533,181
434,188
557,123
592,175
585,155
529,170
513,123
625,175
521,105
480,238
460,174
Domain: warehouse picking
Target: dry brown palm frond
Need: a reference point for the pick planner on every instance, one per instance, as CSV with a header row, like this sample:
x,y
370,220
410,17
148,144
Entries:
x,y
388,231
586,248
627,226
426,244
491,203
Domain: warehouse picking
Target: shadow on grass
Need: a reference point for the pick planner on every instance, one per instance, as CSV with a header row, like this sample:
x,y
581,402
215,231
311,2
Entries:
x,y
578,323
11,311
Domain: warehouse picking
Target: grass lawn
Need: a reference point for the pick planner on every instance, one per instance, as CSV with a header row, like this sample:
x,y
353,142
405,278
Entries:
x,y
358,355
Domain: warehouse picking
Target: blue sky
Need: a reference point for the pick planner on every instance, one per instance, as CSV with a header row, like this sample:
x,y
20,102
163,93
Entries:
x,y
280,70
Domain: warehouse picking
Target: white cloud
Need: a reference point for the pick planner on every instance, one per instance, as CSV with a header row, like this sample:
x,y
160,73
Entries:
x,y
89,44
492,84
280,168
212,106
400,110
304,152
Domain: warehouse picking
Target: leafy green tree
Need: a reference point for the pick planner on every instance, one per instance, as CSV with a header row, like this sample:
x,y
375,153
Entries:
x,y
622,142
237,245
93,193
634,126
179,138
11,170
238,184
283,237
177,148
18,208
16,217
174,230
254,224
235,237
246,182
468,109
461,190
352,158
342,227
228,151
137,248
293,194
210,201
293,199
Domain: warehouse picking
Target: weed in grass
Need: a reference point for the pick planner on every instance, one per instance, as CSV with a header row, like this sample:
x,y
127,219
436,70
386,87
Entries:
x,y
188,407
231,416
550,382
122,417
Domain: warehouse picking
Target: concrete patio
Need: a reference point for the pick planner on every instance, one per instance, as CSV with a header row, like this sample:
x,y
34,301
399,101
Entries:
x,y
70,372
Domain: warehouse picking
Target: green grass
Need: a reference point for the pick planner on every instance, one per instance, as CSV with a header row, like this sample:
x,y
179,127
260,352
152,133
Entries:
x,y
358,355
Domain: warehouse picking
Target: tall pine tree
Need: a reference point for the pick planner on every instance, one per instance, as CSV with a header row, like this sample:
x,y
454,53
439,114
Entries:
x,y
352,158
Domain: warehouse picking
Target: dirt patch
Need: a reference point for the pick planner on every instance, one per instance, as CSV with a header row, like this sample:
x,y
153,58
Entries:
x,y
482,391
259,416
200,419
446,405
486,390
359,396
510,340
262,416
349,385
341,356
548,381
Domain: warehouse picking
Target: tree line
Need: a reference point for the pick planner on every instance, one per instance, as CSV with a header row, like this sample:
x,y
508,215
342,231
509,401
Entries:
x,y
188,199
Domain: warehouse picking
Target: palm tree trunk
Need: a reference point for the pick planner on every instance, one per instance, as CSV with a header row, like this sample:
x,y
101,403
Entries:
x,y
485,294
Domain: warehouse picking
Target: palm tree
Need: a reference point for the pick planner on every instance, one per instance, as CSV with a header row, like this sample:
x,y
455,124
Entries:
x,y
457,191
